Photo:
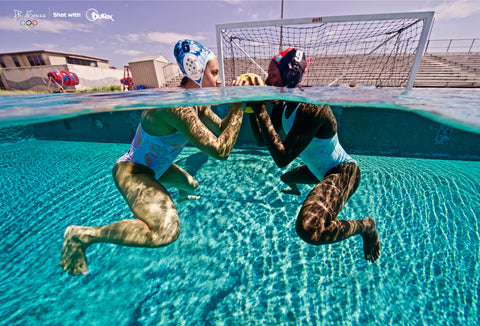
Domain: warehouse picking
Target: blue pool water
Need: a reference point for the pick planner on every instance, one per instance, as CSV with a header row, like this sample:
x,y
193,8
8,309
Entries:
x,y
459,108
238,260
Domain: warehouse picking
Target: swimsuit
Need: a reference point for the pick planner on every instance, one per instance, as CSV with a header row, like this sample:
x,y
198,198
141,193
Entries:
x,y
155,152
321,154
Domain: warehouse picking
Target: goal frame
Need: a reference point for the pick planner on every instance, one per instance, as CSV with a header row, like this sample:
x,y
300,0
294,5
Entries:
x,y
427,17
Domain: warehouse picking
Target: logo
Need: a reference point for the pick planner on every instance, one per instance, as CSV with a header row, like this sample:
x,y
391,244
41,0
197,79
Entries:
x,y
93,15
28,23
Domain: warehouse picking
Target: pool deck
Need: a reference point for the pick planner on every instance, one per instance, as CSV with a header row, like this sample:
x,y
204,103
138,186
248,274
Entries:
x,y
364,131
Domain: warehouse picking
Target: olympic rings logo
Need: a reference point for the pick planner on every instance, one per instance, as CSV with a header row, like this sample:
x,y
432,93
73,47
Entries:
x,y
28,23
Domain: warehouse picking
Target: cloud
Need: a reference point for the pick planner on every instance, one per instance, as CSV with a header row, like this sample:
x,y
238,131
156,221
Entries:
x,y
45,46
156,37
60,26
82,48
457,9
169,38
129,37
9,24
132,53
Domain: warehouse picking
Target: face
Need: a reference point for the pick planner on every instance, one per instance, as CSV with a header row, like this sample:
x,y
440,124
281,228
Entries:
x,y
211,75
274,78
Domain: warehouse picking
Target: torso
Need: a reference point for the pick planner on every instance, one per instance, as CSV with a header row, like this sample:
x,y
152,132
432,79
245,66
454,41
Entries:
x,y
156,143
324,150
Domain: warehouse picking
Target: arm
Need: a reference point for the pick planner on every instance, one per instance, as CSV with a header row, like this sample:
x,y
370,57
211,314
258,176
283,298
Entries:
x,y
197,133
212,121
304,129
257,132
276,116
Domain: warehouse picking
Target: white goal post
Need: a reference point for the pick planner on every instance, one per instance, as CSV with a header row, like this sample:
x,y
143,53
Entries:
x,y
382,50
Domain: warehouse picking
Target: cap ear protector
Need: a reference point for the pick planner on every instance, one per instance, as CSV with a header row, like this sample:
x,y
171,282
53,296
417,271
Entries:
x,y
293,75
292,65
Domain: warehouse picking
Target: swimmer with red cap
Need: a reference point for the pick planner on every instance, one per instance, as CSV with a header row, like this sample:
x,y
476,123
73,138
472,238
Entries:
x,y
311,135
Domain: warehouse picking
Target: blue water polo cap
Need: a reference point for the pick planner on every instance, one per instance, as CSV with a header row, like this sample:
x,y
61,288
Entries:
x,y
192,58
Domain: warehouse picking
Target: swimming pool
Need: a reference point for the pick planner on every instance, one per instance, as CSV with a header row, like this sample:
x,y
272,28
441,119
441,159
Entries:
x,y
238,260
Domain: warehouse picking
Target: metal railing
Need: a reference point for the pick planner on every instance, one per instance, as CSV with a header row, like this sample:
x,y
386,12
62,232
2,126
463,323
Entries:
x,y
466,46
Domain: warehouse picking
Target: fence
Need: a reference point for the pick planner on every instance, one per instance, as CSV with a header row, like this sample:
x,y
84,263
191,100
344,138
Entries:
x,y
456,46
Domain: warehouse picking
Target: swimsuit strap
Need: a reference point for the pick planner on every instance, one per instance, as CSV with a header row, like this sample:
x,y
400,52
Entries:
x,y
287,124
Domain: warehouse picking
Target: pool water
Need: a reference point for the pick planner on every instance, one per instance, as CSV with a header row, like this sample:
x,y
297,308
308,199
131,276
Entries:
x,y
458,108
238,260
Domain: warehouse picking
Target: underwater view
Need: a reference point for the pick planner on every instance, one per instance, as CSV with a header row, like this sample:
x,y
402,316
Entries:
x,y
238,259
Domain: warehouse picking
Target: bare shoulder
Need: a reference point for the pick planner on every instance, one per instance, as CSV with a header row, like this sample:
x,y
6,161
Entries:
x,y
160,122
318,111
320,118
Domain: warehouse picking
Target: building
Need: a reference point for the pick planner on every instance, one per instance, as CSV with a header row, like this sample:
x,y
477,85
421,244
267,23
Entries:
x,y
28,70
154,72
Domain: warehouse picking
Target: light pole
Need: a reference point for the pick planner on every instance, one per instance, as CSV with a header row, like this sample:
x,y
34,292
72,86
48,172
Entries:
x,y
281,29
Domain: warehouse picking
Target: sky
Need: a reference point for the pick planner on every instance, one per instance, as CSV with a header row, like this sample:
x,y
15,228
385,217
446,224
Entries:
x,y
121,31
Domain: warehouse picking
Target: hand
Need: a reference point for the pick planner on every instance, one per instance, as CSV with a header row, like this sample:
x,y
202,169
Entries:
x,y
248,79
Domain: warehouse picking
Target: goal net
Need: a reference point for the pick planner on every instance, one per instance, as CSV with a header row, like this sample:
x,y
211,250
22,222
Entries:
x,y
382,50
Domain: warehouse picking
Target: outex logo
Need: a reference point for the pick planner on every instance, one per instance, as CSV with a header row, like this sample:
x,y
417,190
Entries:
x,y
93,15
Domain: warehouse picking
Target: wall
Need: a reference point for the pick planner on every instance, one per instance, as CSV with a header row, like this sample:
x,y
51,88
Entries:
x,y
367,131
145,74
35,78
56,59
91,77
29,78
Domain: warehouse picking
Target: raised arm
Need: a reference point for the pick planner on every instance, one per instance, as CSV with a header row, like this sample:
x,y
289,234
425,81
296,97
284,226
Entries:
x,y
200,136
213,121
301,134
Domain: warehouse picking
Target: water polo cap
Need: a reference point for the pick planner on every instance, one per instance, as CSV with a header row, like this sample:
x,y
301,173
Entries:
x,y
292,65
192,58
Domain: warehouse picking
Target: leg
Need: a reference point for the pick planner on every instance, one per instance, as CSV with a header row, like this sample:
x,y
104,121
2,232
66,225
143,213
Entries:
x,y
298,175
177,177
156,225
317,221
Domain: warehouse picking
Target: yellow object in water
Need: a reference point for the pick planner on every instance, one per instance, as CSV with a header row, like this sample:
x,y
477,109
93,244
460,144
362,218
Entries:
x,y
248,108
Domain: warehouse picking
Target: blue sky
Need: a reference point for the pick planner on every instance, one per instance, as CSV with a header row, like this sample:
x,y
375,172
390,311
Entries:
x,y
140,28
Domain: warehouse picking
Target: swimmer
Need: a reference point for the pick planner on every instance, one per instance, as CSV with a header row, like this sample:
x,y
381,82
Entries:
x,y
311,134
143,174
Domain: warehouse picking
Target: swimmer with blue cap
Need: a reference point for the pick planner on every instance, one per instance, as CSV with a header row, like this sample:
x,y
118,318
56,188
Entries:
x,y
197,63
146,174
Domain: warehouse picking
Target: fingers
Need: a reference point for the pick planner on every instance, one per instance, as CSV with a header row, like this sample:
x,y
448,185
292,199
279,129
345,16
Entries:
x,y
248,80
239,81
256,81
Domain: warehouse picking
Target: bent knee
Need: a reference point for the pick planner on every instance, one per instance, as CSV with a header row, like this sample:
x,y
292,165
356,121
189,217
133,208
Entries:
x,y
165,235
311,233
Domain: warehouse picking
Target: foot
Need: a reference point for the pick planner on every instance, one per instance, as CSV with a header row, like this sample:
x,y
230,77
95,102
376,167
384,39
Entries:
x,y
187,197
73,257
371,242
183,196
292,190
